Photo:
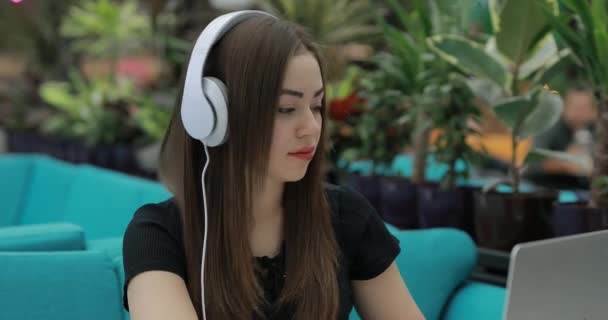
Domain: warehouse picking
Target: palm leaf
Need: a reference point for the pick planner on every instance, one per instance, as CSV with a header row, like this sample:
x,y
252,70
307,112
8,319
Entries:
x,y
600,17
400,11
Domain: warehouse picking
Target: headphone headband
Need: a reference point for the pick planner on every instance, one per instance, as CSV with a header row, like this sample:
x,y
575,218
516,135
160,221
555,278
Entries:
x,y
199,114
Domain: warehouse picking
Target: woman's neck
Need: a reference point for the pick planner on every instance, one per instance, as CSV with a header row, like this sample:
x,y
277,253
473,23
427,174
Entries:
x,y
267,230
267,202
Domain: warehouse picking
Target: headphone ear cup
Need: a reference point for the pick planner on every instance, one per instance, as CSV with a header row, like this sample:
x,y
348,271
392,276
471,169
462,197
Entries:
x,y
216,94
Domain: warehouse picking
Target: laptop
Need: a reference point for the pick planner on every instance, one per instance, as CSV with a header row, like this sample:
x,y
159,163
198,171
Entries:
x,y
561,278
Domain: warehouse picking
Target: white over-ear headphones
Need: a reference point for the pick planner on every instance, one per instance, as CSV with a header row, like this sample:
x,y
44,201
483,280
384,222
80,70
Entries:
x,y
205,99
204,109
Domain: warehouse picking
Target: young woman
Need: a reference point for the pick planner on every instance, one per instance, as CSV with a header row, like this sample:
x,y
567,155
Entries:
x,y
281,244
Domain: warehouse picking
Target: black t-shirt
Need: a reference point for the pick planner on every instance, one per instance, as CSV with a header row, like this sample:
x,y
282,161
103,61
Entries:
x,y
153,241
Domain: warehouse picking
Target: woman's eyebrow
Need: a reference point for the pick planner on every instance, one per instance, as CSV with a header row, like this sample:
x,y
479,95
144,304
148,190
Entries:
x,y
299,94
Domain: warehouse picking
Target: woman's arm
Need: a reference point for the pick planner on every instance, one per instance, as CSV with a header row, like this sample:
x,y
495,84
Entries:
x,y
159,295
385,297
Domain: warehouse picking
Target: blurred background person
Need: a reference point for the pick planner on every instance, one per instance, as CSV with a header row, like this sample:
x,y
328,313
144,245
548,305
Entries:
x,y
572,134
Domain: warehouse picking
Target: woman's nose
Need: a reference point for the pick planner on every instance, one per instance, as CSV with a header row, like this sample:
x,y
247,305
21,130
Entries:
x,y
310,124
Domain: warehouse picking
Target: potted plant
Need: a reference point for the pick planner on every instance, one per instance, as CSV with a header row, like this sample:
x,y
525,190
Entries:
x,y
35,51
512,64
152,117
91,122
103,116
343,28
345,105
422,77
112,38
380,132
450,203
106,123
582,27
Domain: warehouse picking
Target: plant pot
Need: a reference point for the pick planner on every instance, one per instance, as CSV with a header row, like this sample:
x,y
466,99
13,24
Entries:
x,y
101,156
56,147
19,142
123,158
398,199
76,152
578,217
504,220
368,186
13,141
448,208
469,210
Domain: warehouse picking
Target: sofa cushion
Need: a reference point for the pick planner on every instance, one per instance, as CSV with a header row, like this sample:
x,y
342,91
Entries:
x,y
476,301
15,171
50,183
103,202
70,285
433,263
42,237
111,246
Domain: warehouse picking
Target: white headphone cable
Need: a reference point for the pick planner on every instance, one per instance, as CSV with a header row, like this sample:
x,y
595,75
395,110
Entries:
x,y
204,236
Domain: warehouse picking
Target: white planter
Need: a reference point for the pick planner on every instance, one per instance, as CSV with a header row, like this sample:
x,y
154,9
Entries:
x,y
3,141
147,157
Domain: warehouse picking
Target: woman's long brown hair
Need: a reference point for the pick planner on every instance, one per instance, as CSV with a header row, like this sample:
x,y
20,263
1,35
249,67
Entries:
x,y
251,59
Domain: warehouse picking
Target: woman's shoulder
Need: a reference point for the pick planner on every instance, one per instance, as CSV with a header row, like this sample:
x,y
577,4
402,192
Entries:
x,y
362,234
351,211
161,217
153,242
348,204
164,212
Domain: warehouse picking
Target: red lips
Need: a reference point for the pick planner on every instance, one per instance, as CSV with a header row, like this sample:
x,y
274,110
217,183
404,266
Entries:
x,y
308,149
306,153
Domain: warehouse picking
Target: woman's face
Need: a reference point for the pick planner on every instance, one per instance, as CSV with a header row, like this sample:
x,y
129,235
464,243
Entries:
x,y
297,124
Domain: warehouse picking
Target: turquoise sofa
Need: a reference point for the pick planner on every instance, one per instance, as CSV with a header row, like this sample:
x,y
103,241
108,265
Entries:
x,y
61,228
436,265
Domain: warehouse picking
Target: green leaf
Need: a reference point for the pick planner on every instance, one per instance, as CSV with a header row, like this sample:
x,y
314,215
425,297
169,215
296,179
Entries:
x,y
56,125
553,65
583,10
426,15
400,11
405,49
546,52
485,89
344,35
470,57
512,110
601,184
600,32
538,154
544,115
58,95
494,8
521,22
563,31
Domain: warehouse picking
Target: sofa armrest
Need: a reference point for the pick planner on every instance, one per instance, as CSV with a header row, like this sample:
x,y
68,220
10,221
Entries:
x,y
476,301
67,285
42,237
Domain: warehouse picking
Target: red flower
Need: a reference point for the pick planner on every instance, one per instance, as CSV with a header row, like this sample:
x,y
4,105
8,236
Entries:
x,y
144,70
341,108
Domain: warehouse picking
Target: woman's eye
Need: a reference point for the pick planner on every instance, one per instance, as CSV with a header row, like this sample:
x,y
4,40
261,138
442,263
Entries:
x,y
285,110
318,108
